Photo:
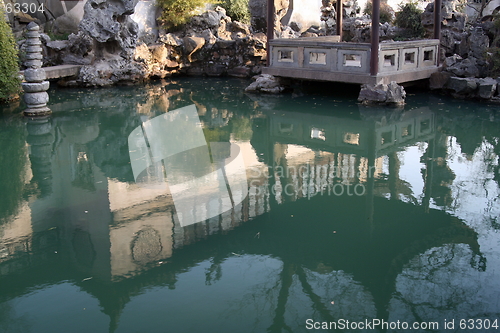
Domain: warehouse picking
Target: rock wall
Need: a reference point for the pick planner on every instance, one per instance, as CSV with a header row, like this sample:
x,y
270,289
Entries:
x,y
210,44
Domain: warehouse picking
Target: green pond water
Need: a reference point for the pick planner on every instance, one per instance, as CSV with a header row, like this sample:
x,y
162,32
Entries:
x,y
189,206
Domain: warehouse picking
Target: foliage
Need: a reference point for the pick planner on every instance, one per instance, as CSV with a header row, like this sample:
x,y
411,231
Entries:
x,y
386,11
409,17
9,81
237,9
176,13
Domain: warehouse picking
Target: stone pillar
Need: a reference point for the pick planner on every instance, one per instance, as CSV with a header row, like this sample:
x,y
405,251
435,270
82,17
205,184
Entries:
x,y
35,88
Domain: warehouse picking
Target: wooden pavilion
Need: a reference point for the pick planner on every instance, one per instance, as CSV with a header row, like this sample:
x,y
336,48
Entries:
x,y
328,58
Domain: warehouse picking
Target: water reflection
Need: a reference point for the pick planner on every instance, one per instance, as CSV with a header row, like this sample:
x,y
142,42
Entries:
x,y
352,215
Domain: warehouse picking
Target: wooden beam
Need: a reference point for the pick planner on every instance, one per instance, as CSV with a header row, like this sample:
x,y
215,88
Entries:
x,y
340,15
375,37
270,29
437,28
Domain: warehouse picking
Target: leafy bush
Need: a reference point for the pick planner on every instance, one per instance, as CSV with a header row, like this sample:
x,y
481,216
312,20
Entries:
x,y
9,82
175,13
237,9
386,11
409,17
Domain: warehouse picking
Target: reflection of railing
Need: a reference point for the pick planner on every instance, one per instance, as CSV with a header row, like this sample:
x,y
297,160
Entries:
x,y
325,58
351,136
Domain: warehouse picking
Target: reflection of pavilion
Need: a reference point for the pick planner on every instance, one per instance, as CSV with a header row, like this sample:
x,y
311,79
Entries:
x,y
123,235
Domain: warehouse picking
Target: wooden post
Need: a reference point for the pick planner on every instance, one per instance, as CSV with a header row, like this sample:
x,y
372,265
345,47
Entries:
x,y
437,28
340,15
270,29
374,37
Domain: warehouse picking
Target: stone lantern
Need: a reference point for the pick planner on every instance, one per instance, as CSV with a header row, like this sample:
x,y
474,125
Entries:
x,y
35,88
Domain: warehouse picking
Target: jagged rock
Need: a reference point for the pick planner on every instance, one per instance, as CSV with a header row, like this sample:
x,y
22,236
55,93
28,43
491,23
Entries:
x,y
296,26
487,87
159,53
265,83
239,27
464,68
288,32
462,86
452,23
258,13
58,45
193,44
210,18
210,39
308,34
438,80
110,25
387,94
71,59
451,60
80,44
241,71
111,72
142,53
479,42
170,39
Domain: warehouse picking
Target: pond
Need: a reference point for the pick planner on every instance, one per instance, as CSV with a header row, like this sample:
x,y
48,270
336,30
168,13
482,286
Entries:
x,y
239,213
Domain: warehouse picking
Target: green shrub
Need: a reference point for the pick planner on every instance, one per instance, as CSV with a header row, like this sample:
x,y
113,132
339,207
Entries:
x,y
409,17
237,9
176,13
9,81
386,11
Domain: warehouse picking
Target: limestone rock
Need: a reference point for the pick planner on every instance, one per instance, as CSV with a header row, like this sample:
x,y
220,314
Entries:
x,y
265,83
109,24
58,45
451,60
296,26
462,86
111,72
478,43
386,94
464,68
241,71
439,80
487,87
193,44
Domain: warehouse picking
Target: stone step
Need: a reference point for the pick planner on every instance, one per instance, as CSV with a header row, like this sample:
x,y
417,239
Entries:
x,y
60,71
